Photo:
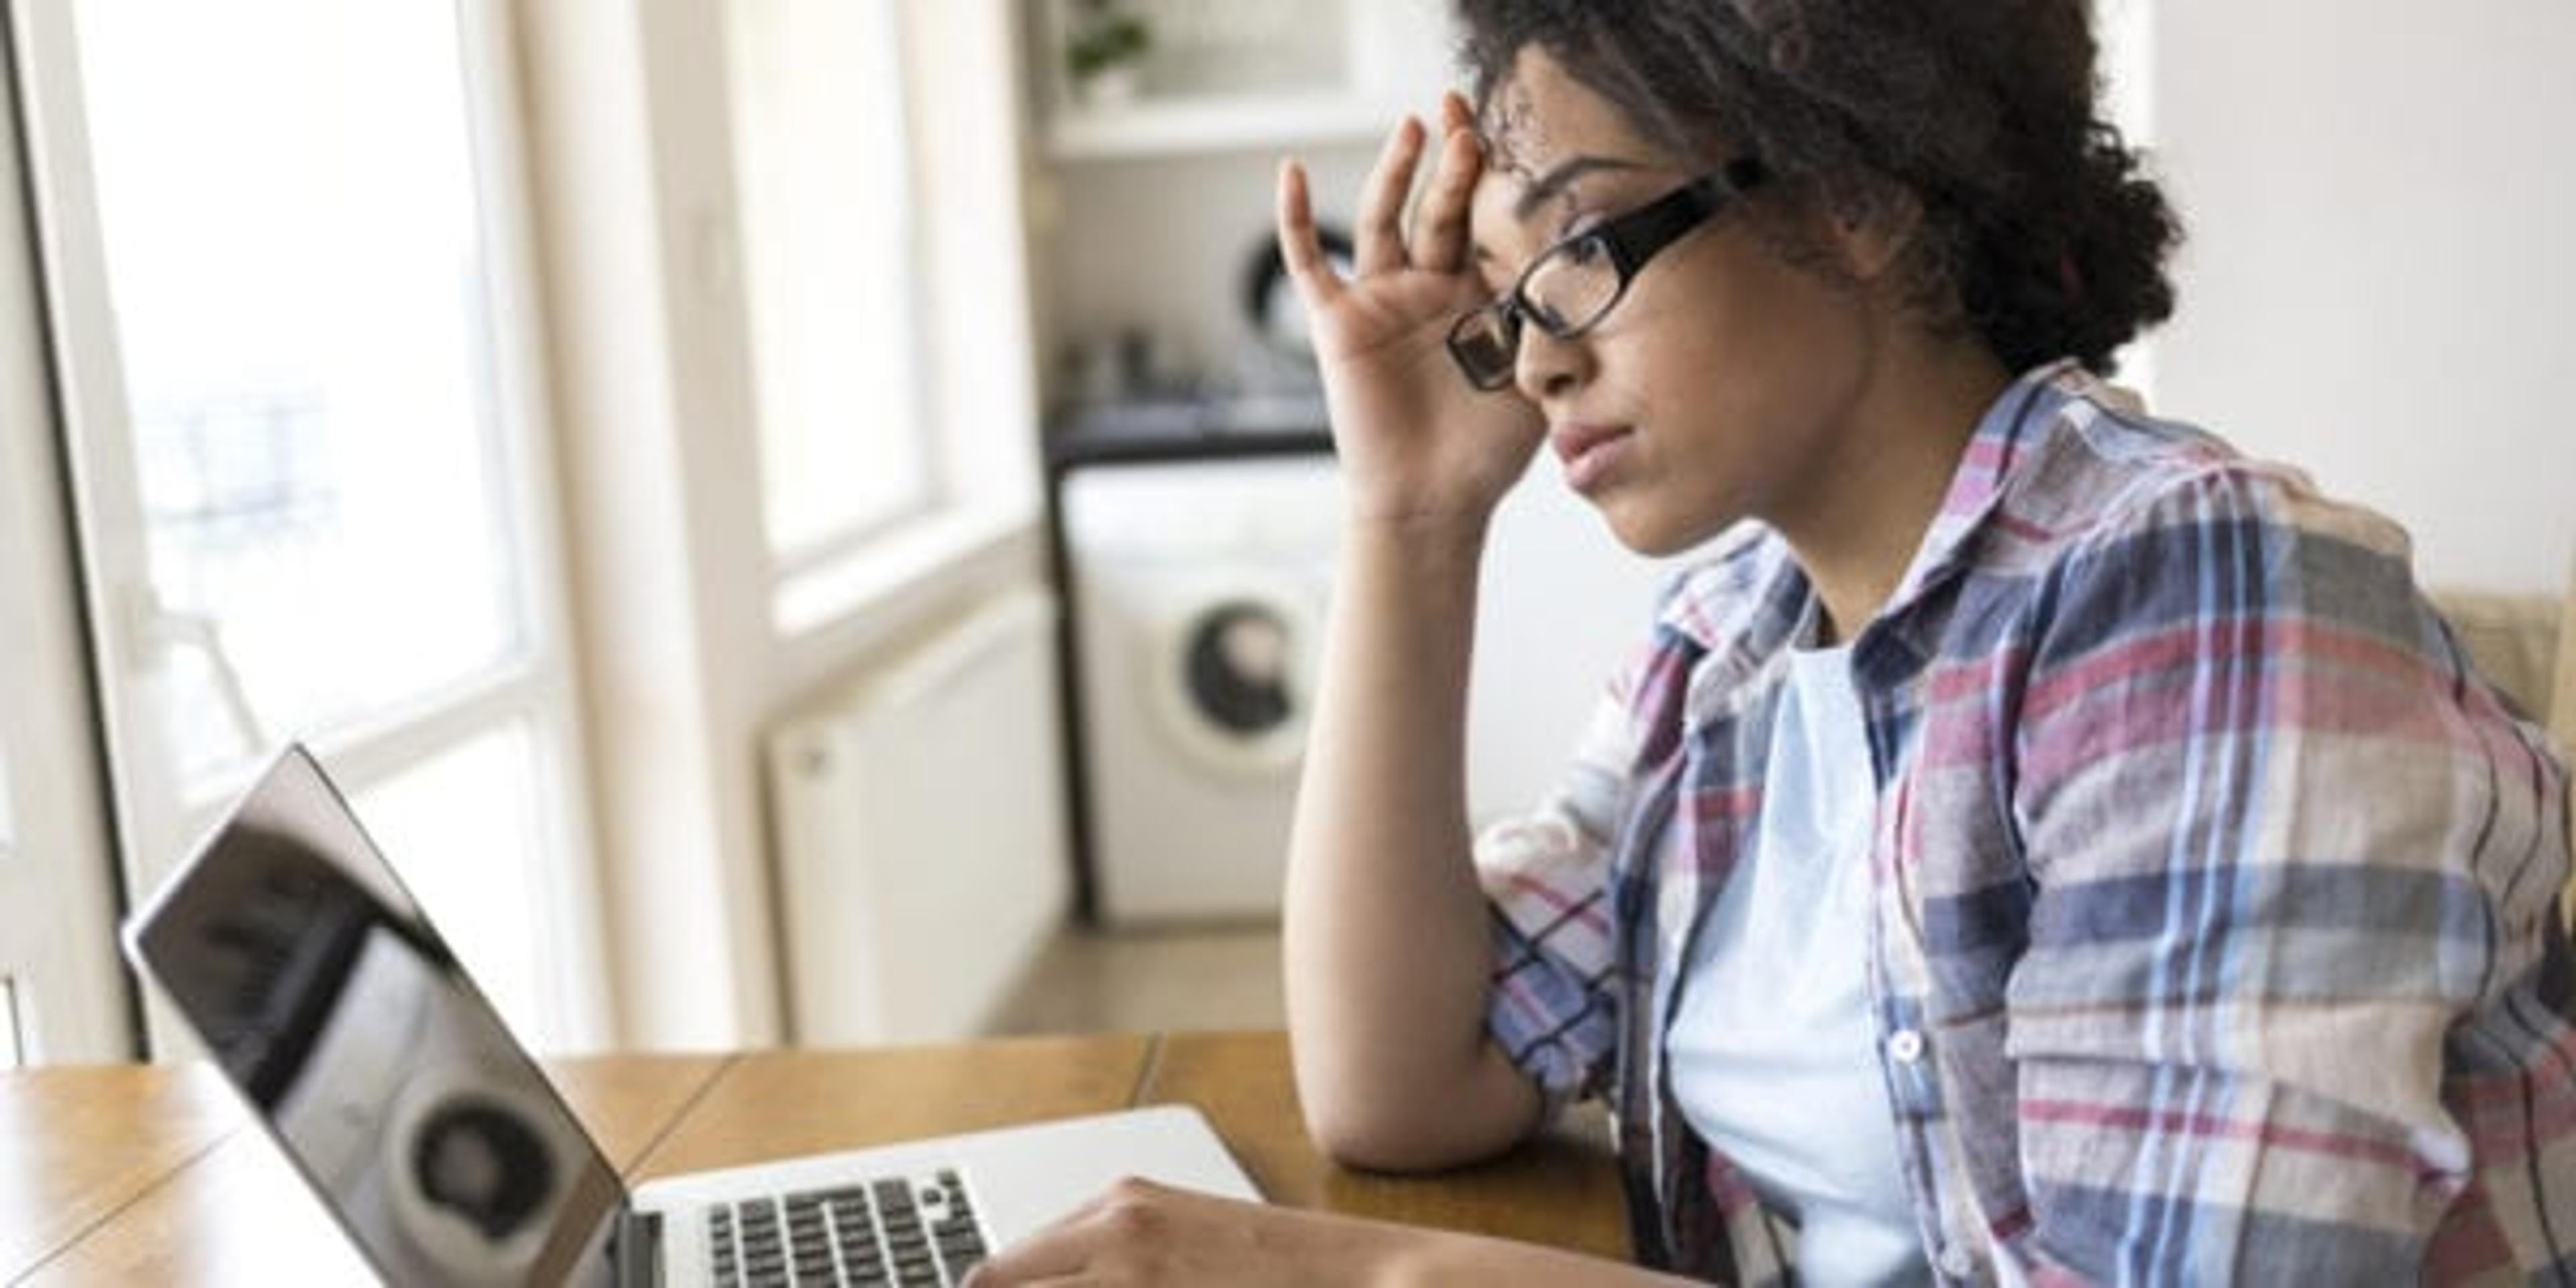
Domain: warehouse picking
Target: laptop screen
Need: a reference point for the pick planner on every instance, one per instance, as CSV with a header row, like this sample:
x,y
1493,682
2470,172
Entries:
x,y
315,981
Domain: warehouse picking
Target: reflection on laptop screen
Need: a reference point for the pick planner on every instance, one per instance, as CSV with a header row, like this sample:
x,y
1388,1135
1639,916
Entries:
x,y
327,998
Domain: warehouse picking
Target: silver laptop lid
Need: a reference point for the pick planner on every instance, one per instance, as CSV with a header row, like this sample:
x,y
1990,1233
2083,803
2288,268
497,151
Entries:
x,y
295,953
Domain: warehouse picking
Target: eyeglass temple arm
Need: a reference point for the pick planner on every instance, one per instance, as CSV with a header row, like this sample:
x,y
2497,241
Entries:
x,y
1658,224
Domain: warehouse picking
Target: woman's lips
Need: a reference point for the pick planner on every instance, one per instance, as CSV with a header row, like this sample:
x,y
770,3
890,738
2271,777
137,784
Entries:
x,y
1588,451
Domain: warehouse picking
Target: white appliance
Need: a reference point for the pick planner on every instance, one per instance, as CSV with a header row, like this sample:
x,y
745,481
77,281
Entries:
x,y
1191,581
1198,592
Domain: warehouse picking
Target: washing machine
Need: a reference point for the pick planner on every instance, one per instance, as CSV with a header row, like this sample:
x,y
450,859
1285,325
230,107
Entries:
x,y
1197,590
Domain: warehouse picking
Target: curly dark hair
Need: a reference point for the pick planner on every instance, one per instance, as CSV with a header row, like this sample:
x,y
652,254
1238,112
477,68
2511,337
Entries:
x,y
2039,231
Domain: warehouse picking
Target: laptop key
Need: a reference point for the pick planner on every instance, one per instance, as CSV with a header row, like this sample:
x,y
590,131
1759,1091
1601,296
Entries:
x,y
759,1226
893,1231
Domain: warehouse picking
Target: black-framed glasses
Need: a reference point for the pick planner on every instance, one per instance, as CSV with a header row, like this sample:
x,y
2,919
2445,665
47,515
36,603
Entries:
x,y
1573,284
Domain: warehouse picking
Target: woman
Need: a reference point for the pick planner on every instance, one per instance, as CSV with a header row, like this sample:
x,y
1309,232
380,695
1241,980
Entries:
x,y
2037,844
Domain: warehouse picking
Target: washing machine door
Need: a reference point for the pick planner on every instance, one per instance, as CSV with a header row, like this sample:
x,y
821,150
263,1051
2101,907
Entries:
x,y
1232,678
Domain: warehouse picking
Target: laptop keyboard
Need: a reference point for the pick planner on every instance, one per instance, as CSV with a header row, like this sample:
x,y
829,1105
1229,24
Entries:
x,y
911,1232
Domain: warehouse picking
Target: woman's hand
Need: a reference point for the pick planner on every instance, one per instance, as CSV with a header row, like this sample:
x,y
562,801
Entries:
x,y
1418,444
1142,1233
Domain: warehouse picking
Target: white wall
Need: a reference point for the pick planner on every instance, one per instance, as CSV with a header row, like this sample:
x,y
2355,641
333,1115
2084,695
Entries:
x,y
2380,283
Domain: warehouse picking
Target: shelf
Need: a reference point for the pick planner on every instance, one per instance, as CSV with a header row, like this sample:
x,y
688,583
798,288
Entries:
x,y
1181,126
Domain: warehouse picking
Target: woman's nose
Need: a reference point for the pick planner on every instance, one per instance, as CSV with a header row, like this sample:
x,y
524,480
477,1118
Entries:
x,y
1548,368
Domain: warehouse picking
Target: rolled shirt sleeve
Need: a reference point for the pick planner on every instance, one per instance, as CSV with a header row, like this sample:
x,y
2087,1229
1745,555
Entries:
x,y
1547,876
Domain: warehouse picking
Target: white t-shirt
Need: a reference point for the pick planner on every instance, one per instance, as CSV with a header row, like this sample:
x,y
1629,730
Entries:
x,y
1772,1052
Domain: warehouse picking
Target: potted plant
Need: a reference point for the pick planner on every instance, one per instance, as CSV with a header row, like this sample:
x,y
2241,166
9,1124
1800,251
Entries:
x,y
1104,50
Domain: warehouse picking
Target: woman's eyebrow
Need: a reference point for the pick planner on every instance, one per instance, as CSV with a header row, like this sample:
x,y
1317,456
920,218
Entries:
x,y
1560,177
1550,184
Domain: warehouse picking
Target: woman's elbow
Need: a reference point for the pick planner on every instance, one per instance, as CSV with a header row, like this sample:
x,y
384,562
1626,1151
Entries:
x,y
1461,1124
1379,1142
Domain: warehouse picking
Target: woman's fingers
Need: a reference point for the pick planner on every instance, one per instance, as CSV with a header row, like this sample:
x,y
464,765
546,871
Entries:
x,y
1455,112
1379,240
1133,1220
1063,1247
1299,245
1440,240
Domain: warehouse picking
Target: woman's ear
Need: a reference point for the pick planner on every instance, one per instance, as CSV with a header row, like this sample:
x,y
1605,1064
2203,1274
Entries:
x,y
1874,231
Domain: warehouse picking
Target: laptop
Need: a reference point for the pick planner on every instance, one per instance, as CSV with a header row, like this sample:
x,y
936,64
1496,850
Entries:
x,y
290,947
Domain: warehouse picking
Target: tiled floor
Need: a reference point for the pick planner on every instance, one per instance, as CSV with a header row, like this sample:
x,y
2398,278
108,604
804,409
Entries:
x,y
1094,981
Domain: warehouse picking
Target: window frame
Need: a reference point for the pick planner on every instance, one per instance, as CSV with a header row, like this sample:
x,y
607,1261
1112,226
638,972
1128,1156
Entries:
x,y
57,899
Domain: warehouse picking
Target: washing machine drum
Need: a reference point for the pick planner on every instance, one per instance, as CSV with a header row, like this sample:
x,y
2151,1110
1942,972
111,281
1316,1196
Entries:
x,y
1231,682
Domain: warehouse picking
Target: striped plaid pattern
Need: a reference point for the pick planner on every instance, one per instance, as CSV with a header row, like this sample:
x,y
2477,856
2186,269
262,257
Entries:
x,y
2214,932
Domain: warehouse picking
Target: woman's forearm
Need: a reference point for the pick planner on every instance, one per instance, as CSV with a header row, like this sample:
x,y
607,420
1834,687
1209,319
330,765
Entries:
x,y
1472,1261
1386,928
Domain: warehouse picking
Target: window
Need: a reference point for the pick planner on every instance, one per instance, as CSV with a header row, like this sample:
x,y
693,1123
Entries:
x,y
824,171
287,237
478,872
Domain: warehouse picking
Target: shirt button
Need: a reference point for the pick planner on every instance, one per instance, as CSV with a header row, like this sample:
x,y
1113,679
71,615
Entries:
x,y
1956,1261
1905,1046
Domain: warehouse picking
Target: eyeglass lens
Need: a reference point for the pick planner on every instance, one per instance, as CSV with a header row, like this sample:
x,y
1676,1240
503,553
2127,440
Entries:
x,y
1484,343
1572,287
1567,290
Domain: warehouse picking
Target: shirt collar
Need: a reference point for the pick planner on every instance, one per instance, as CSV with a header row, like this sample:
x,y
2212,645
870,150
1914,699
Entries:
x,y
2016,423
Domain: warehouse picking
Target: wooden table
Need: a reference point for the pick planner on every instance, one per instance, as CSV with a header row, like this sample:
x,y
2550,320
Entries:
x,y
144,1174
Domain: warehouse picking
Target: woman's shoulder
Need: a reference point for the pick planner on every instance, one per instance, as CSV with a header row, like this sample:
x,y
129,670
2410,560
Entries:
x,y
2125,527
2105,473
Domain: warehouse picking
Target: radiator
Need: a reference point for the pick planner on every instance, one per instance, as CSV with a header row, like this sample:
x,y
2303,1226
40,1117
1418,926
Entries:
x,y
919,825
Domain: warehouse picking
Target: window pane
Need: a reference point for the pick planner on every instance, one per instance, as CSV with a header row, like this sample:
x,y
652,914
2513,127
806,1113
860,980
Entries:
x,y
287,205
827,247
465,833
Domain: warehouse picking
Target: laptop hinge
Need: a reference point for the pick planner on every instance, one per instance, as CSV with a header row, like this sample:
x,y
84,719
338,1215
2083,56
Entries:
x,y
639,1249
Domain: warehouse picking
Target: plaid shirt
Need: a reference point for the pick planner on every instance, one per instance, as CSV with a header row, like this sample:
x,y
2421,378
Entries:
x,y
2214,928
